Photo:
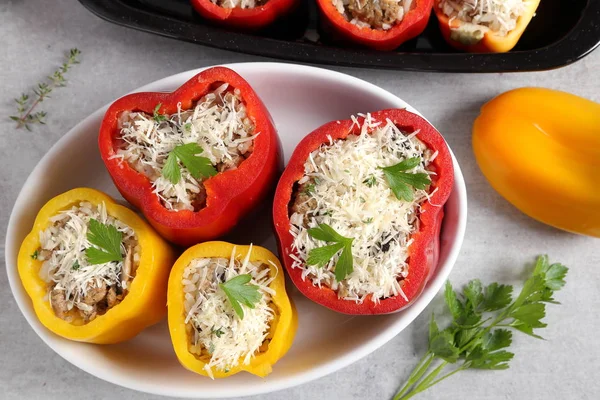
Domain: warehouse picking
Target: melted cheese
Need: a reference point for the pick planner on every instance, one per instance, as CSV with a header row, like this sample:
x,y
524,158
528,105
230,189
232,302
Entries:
x,y
218,124
216,330
380,224
499,16
65,266
375,14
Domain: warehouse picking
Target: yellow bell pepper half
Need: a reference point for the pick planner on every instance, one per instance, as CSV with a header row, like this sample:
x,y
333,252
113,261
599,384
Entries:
x,y
540,149
282,328
143,305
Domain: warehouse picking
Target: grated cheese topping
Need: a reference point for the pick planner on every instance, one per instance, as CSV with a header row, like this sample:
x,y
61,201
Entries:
x,y
74,285
218,124
215,331
374,14
344,188
499,16
239,3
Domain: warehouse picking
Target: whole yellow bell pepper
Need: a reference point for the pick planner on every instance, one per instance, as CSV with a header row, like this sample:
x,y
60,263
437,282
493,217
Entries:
x,y
143,305
540,149
282,328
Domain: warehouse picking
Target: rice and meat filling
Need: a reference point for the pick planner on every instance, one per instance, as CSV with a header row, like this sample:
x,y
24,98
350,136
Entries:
x,y
345,188
216,333
77,290
218,124
374,14
239,3
499,16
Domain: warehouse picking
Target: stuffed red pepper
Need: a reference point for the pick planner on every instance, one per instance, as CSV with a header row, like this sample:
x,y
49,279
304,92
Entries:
x,y
358,211
193,161
378,24
244,14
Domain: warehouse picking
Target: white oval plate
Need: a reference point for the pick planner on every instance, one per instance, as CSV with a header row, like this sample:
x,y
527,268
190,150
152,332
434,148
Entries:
x,y
300,98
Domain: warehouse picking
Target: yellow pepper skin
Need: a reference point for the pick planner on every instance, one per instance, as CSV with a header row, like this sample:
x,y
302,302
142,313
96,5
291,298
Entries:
x,y
483,42
283,327
540,149
144,304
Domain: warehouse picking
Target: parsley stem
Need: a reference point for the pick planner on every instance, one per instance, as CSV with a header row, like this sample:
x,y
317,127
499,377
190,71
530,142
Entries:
x,y
425,383
416,374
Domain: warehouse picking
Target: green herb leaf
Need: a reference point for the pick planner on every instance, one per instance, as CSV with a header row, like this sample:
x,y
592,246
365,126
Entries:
x,y
322,255
217,332
474,293
35,255
531,314
442,346
239,291
400,182
496,297
158,117
497,339
188,155
310,188
370,181
171,170
76,265
108,241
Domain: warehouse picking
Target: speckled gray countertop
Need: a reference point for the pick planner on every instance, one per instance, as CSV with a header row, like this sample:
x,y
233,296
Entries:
x,y
499,239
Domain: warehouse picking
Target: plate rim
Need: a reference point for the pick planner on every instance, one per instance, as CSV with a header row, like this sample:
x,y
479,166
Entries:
x,y
336,364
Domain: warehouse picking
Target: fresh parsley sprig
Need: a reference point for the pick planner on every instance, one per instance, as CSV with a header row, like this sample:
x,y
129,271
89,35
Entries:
x,y
26,104
158,117
481,321
321,255
401,181
239,291
107,240
188,155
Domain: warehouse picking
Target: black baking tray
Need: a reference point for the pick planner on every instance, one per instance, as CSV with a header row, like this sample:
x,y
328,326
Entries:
x,y
562,32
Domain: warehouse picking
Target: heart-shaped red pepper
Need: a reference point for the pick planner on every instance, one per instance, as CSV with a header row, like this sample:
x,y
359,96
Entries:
x,y
230,194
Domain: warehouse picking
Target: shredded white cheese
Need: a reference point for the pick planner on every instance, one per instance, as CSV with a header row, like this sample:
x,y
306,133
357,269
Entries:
x,y
349,192
375,14
499,16
216,331
65,267
218,124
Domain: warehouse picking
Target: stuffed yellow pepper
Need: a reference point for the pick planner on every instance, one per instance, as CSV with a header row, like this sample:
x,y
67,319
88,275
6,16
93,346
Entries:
x,y
94,270
483,26
228,310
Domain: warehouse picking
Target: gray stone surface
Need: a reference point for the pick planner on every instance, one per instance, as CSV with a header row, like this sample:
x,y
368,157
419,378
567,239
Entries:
x,y
499,239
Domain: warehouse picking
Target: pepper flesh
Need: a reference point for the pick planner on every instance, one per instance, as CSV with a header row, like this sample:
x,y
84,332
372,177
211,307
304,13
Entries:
x,y
413,23
423,252
245,18
230,194
143,306
540,149
283,326
486,42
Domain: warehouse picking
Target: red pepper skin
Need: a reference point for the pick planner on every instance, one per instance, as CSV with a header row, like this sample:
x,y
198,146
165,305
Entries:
x,y
339,29
423,252
230,194
246,19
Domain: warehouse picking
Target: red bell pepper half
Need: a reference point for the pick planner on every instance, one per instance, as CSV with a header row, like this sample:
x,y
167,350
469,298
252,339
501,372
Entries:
x,y
423,252
245,18
230,194
413,23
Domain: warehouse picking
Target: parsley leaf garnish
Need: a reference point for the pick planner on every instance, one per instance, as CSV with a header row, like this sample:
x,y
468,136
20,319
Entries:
x,y
35,255
188,155
239,292
76,265
158,117
400,181
370,181
322,255
481,321
107,240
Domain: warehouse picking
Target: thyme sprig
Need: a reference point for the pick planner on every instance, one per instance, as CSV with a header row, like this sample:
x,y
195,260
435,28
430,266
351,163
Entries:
x,y
26,104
